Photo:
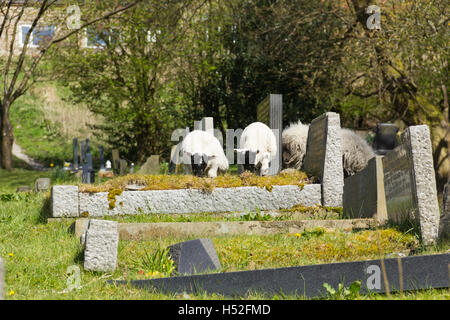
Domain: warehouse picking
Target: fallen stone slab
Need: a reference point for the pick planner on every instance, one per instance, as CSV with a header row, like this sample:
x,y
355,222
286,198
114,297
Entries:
x,y
364,195
194,256
2,279
323,158
410,184
101,243
193,201
376,276
144,231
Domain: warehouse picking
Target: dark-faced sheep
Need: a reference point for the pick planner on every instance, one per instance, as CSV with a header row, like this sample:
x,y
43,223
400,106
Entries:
x,y
203,154
259,139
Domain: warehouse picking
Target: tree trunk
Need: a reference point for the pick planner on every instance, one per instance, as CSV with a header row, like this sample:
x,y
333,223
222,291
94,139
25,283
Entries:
x,y
7,137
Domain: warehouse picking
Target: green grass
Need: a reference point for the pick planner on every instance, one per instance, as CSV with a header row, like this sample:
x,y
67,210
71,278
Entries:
x,y
37,255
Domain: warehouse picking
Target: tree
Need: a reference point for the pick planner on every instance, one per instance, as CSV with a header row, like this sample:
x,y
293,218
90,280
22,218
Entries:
x,y
19,66
130,77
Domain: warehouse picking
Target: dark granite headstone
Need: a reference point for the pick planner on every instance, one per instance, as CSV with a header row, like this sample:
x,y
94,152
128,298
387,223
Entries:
x,y
385,138
270,112
194,256
398,274
75,154
82,153
102,159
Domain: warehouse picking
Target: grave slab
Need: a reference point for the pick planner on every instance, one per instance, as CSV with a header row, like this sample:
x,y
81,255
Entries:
x,y
401,274
410,184
444,223
194,256
364,195
2,279
323,157
101,243
64,201
196,201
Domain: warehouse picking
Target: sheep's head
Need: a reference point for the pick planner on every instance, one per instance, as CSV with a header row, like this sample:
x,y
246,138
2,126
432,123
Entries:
x,y
199,162
255,161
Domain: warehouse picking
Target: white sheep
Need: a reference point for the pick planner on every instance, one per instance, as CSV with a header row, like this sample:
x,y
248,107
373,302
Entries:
x,y
203,154
260,140
294,140
355,151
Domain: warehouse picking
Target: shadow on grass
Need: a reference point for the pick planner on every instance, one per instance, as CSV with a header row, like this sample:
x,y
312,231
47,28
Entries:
x,y
45,212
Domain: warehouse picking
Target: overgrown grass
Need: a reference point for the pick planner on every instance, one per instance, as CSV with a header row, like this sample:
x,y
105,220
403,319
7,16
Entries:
x,y
37,256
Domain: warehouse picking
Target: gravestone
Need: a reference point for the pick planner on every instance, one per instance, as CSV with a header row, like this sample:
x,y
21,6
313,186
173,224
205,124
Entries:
x,y
115,160
174,158
2,279
444,223
208,125
401,274
42,184
364,193
123,164
385,138
82,153
75,154
410,185
88,170
102,159
195,256
26,189
151,166
101,243
198,125
323,157
270,112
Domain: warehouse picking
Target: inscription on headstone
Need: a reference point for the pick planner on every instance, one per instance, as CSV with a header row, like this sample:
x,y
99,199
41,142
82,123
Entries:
x,y
410,183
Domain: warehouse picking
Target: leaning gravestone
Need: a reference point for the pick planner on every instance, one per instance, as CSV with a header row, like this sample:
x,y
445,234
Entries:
x,y
101,241
151,166
364,195
444,224
123,164
410,185
195,256
323,157
2,279
270,112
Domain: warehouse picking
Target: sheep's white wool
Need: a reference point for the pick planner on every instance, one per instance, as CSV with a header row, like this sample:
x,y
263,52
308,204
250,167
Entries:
x,y
355,151
294,140
258,137
204,143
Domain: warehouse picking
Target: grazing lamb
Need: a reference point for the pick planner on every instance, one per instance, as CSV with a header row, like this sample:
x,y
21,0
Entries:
x,y
355,151
203,154
258,138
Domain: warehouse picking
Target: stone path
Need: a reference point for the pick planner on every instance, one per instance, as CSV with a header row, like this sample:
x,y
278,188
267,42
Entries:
x,y
17,151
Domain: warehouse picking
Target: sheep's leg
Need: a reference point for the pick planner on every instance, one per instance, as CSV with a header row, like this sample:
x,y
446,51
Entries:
x,y
212,172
